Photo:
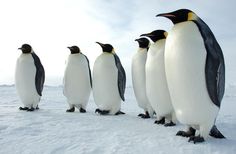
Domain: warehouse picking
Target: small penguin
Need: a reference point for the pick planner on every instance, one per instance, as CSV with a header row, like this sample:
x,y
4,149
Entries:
x,y
77,81
156,84
139,78
29,78
109,81
195,72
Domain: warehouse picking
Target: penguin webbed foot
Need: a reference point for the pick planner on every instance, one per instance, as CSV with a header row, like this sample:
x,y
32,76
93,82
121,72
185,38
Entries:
x,y
102,112
71,109
119,112
196,139
160,122
170,124
37,107
81,110
31,109
23,108
144,116
189,133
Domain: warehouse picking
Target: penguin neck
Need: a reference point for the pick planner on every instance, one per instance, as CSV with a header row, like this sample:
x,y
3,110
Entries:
x,y
141,50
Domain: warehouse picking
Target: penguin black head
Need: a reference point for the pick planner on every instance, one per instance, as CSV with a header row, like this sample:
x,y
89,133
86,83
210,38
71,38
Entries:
x,y
74,49
143,42
156,35
25,48
106,47
178,16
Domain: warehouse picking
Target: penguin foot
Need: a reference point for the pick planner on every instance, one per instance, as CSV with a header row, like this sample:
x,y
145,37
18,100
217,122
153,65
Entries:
x,y
119,112
102,112
23,108
31,109
37,107
189,133
196,139
216,133
170,124
71,109
81,110
144,116
160,122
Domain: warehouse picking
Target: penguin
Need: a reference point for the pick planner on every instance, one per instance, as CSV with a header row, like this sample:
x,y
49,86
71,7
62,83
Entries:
x,y
109,80
29,78
77,83
156,84
139,78
195,72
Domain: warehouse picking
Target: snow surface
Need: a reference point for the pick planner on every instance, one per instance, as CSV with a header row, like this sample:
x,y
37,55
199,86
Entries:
x,y
52,130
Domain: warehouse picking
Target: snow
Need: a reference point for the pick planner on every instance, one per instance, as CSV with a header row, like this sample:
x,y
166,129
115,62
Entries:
x,y
52,130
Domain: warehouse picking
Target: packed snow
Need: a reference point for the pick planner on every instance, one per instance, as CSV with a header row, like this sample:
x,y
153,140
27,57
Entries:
x,y
52,130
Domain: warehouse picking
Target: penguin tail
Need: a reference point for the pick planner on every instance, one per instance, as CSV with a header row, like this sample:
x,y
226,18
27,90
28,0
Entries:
x,y
216,133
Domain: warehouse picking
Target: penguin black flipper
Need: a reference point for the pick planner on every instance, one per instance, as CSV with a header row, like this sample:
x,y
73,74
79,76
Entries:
x,y
215,66
40,74
90,76
121,77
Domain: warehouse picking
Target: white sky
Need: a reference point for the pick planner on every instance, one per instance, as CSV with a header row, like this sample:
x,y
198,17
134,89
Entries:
x,y
49,26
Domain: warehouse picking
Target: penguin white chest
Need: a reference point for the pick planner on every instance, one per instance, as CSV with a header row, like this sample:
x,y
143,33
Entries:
x,y
77,80
25,79
105,80
157,89
139,78
185,58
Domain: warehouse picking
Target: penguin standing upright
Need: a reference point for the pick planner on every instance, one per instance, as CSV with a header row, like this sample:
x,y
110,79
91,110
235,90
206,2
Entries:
x,y
109,81
156,84
29,78
77,80
195,73
139,77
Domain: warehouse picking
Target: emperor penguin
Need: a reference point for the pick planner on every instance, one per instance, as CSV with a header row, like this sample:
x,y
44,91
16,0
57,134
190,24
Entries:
x,y
29,78
195,72
109,82
156,84
77,80
139,77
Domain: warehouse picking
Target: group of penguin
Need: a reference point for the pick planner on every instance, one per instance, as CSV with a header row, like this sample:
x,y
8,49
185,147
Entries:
x,y
180,77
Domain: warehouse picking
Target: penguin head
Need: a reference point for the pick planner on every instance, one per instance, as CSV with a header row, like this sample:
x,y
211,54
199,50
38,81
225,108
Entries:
x,y
143,42
156,35
106,47
74,49
179,16
25,48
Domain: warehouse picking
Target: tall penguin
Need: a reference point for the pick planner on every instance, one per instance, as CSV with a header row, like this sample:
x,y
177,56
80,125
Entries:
x,y
195,73
156,84
139,77
77,80
29,78
109,81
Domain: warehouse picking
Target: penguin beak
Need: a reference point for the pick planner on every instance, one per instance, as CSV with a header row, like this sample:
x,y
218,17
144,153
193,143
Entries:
x,y
147,35
136,40
102,45
19,48
69,48
167,15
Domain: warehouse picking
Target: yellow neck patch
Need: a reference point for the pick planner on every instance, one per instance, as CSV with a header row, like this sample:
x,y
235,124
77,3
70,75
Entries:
x,y
192,16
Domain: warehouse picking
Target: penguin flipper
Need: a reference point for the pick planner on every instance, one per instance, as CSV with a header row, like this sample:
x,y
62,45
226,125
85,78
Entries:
x,y
121,77
90,76
215,66
40,74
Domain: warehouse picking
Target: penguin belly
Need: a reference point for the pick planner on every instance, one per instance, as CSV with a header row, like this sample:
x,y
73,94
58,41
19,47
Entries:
x,y
139,80
105,80
185,58
25,81
157,89
77,86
